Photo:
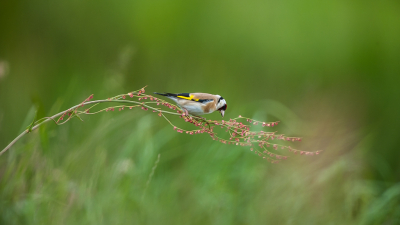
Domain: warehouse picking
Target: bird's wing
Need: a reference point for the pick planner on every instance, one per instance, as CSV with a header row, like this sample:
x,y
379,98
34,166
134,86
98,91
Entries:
x,y
197,97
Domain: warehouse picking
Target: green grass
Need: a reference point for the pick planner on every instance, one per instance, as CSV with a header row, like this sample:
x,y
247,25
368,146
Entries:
x,y
95,172
328,70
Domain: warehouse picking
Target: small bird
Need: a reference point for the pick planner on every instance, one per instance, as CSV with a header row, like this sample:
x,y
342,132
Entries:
x,y
198,103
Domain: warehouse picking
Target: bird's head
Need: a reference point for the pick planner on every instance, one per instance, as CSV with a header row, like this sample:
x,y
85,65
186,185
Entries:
x,y
221,106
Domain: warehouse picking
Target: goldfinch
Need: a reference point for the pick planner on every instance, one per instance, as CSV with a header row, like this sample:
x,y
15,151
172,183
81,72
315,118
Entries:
x,y
198,103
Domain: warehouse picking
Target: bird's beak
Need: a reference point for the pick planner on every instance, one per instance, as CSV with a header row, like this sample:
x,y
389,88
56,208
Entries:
x,y
222,113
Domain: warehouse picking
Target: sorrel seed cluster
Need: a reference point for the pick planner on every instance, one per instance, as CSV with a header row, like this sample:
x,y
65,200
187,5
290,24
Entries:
x,y
238,133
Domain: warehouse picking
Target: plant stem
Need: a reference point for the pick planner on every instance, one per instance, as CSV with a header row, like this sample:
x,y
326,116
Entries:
x,y
52,118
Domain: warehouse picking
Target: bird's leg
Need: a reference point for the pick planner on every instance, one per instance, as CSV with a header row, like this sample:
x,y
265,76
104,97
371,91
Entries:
x,y
186,112
202,118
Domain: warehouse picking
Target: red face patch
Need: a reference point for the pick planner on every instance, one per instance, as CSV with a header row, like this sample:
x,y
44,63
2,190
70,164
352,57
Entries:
x,y
224,107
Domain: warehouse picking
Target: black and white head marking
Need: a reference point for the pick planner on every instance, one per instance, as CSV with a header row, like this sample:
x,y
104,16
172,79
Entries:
x,y
221,104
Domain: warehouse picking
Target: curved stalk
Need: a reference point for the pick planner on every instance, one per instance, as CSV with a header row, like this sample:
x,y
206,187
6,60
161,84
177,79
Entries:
x,y
52,118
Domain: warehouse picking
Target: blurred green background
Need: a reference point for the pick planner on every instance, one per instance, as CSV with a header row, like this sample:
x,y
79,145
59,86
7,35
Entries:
x,y
329,70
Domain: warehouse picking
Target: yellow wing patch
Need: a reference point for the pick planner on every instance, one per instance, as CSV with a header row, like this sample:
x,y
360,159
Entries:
x,y
188,98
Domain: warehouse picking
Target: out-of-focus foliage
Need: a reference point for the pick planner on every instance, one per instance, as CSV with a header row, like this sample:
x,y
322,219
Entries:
x,y
328,70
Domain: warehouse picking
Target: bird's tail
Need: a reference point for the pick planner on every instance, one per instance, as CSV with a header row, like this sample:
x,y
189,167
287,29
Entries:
x,y
165,94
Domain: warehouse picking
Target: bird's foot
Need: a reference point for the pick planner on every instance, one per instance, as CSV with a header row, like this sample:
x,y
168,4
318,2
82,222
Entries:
x,y
202,118
186,113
